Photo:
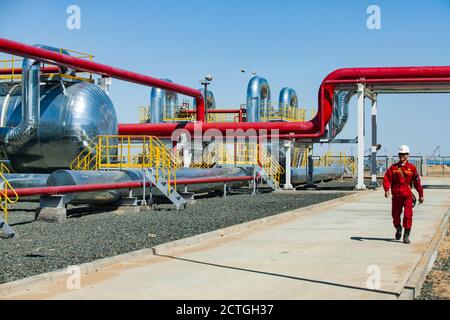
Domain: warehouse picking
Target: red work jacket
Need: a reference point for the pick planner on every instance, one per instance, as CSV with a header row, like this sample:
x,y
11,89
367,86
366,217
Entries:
x,y
401,187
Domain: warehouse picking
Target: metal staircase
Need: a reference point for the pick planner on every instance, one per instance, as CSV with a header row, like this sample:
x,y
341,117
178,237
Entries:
x,y
268,168
164,187
115,152
243,154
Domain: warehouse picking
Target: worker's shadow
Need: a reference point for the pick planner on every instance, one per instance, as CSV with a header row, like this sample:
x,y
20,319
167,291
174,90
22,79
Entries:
x,y
374,239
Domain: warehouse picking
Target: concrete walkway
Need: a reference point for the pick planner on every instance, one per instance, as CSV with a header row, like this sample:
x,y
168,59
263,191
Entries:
x,y
330,253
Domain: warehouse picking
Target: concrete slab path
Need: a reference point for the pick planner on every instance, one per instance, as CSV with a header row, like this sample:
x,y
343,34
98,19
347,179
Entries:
x,y
343,252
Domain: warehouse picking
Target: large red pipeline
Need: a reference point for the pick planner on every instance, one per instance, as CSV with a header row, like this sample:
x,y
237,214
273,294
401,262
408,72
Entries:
x,y
314,128
424,77
26,192
51,57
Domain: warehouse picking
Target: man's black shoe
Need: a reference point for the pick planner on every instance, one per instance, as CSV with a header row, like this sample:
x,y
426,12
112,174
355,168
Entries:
x,y
406,236
398,234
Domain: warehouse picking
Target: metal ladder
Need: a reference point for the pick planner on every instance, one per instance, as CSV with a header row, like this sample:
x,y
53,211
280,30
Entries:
x,y
7,196
266,178
154,176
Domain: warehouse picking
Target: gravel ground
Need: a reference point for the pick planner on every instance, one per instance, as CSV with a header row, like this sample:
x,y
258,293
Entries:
x,y
437,283
86,236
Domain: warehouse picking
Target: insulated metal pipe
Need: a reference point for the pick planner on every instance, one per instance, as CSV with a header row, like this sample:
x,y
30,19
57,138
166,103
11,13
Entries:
x,y
43,55
21,134
23,192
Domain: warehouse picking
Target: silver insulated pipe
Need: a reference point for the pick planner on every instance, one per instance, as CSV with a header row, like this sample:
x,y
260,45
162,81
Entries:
x,y
210,101
28,126
288,98
258,99
340,112
163,104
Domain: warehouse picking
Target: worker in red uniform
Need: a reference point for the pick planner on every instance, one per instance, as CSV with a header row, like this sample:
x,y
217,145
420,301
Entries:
x,y
399,178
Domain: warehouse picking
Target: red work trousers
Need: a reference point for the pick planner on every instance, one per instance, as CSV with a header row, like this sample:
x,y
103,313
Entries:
x,y
399,203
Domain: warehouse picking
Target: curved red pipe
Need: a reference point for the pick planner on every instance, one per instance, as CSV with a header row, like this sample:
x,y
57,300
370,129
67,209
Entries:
x,y
51,57
421,77
312,129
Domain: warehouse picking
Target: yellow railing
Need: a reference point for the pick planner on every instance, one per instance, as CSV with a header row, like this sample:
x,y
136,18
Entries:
x,y
277,112
272,168
6,199
298,156
223,117
180,116
241,153
339,159
115,152
144,114
209,157
15,62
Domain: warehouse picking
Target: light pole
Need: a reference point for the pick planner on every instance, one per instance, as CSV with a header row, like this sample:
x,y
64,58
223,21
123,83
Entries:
x,y
205,82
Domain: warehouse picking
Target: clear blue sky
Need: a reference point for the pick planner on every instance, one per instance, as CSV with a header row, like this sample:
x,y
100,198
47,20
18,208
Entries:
x,y
290,43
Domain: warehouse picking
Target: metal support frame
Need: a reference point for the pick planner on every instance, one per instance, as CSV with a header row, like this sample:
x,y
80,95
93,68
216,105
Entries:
x,y
309,176
363,93
187,153
287,165
53,201
104,83
254,180
373,183
6,229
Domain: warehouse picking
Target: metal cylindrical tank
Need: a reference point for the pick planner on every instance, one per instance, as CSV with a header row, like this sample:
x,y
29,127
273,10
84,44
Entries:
x,y
258,99
71,115
299,175
288,98
163,104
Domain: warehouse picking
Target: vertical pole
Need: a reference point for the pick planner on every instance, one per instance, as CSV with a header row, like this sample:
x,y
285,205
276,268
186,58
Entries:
x,y
309,175
186,147
374,183
225,190
254,180
287,166
360,185
206,101
144,202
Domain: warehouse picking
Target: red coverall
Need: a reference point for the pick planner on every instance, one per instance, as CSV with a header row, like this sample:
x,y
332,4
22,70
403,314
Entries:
x,y
401,191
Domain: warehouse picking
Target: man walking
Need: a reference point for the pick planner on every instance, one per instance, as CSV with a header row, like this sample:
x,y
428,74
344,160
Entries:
x,y
399,178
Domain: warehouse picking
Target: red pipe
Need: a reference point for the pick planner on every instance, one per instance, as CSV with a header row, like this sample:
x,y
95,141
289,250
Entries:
x,y
46,69
217,111
51,57
24,192
316,127
400,80
312,129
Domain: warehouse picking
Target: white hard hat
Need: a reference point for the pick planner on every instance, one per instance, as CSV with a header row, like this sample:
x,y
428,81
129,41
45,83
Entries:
x,y
403,149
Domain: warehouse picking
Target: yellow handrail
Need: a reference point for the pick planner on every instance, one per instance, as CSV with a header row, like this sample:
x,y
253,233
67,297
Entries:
x,y
272,168
5,199
11,64
118,152
241,153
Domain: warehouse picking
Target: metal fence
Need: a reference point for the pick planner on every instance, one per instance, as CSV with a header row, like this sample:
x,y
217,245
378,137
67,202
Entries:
x,y
438,166
384,162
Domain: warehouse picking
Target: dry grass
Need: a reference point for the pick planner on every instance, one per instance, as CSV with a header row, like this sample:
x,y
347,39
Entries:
x,y
437,284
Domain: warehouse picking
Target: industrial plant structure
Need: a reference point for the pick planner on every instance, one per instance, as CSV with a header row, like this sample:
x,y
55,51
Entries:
x,y
60,139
